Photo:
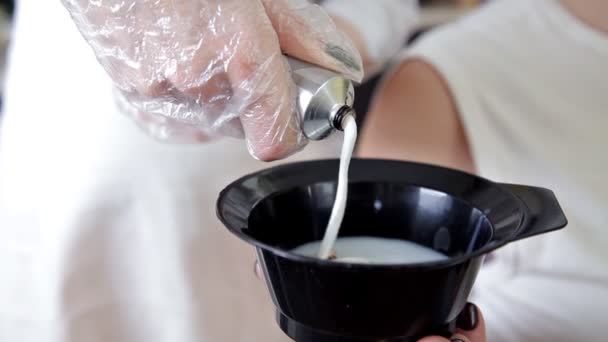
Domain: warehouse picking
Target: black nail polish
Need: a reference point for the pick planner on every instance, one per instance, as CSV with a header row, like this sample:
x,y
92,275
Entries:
x,y
468,320
456,340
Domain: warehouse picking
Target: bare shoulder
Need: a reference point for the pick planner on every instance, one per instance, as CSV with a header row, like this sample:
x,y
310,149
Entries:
x,y
413,117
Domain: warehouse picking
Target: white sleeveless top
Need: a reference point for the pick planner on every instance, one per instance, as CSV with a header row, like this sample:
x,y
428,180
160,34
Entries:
x,y
531,84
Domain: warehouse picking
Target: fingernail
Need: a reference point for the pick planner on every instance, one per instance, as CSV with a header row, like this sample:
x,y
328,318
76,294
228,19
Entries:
x,y
467,320
343,56
456,340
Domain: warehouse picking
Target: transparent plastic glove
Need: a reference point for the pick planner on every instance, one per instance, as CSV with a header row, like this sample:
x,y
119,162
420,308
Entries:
x,y
190,70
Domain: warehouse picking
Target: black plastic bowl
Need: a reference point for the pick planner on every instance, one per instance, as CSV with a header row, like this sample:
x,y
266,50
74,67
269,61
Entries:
x,y
460,215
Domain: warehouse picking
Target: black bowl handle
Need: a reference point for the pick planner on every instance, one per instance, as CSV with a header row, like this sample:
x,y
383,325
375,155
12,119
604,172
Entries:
x,y
543,212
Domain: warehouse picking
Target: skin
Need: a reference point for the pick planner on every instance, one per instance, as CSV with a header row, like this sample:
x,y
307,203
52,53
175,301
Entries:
x,y
591,12
431,132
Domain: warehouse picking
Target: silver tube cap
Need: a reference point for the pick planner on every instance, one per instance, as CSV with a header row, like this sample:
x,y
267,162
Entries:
x,y
323,98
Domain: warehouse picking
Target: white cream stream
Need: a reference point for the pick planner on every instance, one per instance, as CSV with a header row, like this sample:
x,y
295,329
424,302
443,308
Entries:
x,y
337,214
361,250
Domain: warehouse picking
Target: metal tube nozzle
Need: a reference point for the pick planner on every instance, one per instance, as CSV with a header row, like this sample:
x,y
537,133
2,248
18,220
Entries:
x,y
324,97
337,118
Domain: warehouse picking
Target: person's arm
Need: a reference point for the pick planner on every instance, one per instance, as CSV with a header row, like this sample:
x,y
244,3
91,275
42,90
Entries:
x,y
413,117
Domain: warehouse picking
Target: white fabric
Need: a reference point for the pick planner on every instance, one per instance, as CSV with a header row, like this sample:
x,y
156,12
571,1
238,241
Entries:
x,y
107,235
529,81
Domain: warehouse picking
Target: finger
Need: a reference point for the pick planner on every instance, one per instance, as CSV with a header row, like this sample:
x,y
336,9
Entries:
x,y
306,32
264,93
471,325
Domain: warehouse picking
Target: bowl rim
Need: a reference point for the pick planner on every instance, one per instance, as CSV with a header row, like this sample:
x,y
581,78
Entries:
x,y
426,266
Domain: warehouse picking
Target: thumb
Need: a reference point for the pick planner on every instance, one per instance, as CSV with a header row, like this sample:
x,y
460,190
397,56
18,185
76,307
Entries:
x,y
306,32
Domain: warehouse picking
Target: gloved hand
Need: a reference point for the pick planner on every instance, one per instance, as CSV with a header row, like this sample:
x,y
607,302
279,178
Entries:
x,y
195,69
